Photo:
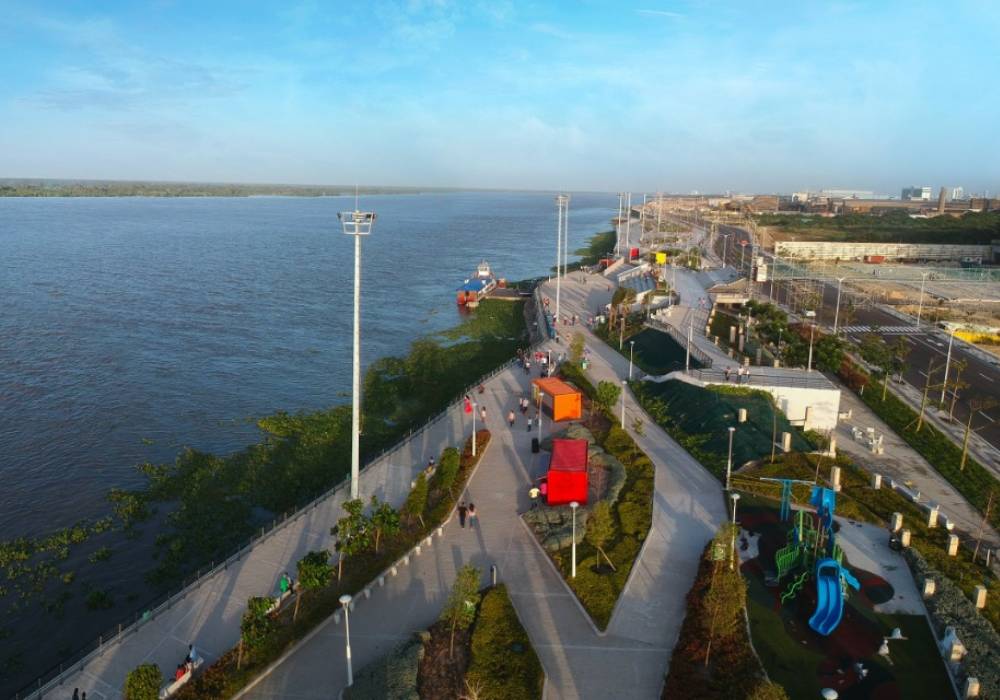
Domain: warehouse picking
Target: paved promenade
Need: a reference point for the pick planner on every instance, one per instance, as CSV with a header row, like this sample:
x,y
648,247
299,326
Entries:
x,y
629,661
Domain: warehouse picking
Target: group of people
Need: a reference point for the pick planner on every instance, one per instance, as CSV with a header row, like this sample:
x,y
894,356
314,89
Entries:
x,y
740,376
187,665
467,512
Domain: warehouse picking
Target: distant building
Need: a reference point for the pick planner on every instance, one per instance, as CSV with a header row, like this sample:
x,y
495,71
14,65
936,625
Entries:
x,y
916,194
848,194
957,193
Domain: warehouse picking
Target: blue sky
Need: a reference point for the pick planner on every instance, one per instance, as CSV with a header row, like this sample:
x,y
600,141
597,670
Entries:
x,y
672,96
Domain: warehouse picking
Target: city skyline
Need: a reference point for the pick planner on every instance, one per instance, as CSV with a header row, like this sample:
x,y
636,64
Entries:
x,y
673,97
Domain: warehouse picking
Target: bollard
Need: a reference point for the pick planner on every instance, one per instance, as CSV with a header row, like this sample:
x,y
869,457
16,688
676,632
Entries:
x,y
777,364
732,334
929,589
876,481
493,574
381,581
416,551
440,531
832,452
979,597
786,442
952,545
742,415
741,342
835,478
393,570
405,560
932,517
367,592
896,522
904,537
427,541
972,687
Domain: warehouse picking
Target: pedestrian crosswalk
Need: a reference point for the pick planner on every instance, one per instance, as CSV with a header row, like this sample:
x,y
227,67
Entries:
x,y
888,330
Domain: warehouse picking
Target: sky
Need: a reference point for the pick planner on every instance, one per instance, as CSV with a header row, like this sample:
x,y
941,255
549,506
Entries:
x,y
677,96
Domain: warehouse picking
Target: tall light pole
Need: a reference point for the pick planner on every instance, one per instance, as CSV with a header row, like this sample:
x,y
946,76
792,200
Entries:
x,y
473,428
618,229
631,352
624,387
565,253
729,460
743,252
561,202
732,562
642,219
628,227
920,302
687,354
574,505
812,333
345,600
725,247
836,314
356,223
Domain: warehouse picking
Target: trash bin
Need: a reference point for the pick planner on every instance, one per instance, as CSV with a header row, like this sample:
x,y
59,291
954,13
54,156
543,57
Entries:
x,y
534,445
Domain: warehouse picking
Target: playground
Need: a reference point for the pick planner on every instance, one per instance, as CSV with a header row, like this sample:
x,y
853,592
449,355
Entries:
x,y
817,621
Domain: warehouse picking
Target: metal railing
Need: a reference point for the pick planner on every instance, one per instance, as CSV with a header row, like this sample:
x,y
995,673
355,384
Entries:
x,y
697,353
814,380
54,677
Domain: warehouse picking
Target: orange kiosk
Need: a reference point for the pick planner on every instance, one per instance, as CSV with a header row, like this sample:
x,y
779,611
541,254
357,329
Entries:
x,y
562,401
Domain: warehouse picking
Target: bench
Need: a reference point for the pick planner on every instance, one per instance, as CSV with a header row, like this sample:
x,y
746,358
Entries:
x,y
172,687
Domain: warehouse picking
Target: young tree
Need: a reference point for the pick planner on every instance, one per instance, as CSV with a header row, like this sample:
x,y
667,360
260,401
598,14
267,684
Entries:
x,y
726,595
768,690
416,502
898,352
601,529
384,520
607,394
143,682
447,471
460,609
576,348
255,626
314,573
353,533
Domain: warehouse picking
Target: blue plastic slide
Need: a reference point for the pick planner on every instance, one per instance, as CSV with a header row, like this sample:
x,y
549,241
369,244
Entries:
x,y
829,595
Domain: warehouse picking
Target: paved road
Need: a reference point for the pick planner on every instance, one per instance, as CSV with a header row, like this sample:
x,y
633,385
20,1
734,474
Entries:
x,y
926,343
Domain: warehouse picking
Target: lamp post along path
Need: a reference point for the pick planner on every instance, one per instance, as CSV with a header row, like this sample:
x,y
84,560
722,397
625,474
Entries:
x,y
356,223
574,505
345,600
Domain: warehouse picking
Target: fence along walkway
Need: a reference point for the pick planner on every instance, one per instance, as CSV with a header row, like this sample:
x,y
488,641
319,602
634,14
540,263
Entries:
x,y
207,611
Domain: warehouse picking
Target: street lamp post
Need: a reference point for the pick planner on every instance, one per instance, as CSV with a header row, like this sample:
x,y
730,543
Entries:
x,y
473,428
725,247
729,460
743,252
687,354
356,223
562,202
618,230
345,600
624,387
812,333
631,351
628,227
732,561
574,505
947,364
836,314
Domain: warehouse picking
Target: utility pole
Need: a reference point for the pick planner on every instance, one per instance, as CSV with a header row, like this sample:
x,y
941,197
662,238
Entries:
x,y
947,366
836,314
618,228
628,227
920,302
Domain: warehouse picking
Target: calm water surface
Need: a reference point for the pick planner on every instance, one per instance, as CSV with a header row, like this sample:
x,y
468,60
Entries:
x,y
131,327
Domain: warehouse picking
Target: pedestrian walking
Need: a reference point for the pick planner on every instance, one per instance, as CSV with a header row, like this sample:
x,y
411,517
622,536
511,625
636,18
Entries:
x,y
472,515
482,414
430,464
746,375
533,494
76,694
193,655
527,366
462,512
510,418
728,371
529,424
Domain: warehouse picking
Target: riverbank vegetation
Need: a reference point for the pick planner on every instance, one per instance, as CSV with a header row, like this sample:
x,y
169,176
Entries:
x,y
122,188
267,635
599,246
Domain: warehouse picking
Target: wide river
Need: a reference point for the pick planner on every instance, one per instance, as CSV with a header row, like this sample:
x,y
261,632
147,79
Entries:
x,y
130,327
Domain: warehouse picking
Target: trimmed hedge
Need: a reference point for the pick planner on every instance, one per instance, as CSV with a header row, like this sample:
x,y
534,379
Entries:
x,y
503,664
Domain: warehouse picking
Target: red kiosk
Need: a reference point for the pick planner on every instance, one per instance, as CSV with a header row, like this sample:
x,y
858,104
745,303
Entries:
x,y
567,477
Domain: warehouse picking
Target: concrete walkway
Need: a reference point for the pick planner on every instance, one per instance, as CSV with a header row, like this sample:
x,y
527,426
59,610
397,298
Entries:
x,y
629,661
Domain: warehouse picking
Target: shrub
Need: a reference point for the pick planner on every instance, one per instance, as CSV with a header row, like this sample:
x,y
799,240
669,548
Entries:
x,y
256,625
607,394
447,471
633,519
391,677
416,502
766,690
503,663
143,683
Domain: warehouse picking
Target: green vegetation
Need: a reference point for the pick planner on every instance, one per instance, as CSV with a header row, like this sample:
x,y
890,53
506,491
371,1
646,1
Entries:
x,y
236,667
213,500
143,683
973,481
858,501
99,599
699,419
893,227
460,609
599,246
122,188
656,353
503,663
314,573
613,538
713,658
392,677
790,342
607,395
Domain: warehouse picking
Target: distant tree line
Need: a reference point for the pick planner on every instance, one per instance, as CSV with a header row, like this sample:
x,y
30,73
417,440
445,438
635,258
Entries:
x,y
973,228
110,188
